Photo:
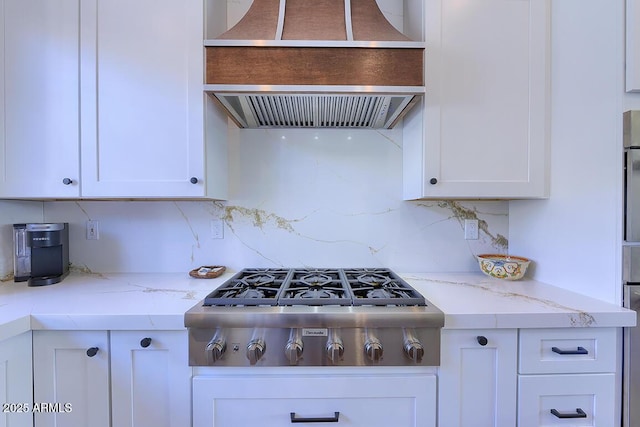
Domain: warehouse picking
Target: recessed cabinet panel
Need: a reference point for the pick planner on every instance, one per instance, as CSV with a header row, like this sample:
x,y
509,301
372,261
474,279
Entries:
x,y
566,400
150,379
375,400
477,378
39,112
16,389
632,62
143,103
71,372
485,123
561,350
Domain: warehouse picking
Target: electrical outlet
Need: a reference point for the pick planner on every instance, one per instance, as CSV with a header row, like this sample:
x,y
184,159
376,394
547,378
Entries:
x,y
217,229
92,230
471,229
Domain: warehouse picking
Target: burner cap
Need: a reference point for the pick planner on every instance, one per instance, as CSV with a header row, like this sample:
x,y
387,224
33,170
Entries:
x,y
316,292
373,279
379,293
251,293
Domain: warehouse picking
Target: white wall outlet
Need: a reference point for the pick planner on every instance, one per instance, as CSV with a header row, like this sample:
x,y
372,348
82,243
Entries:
x,y
471,229
92,230
217,229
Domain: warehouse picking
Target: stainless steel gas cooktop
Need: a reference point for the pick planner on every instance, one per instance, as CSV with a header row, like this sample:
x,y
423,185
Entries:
x,y
314,317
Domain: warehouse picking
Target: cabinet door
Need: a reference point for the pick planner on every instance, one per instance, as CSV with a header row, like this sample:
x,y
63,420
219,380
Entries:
x,y
71,378
484,128
39,112
376,400
477,378
142,98
150,379
632,59
590,398
16,381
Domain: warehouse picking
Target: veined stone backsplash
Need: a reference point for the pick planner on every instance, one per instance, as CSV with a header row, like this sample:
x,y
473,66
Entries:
x,y
331,198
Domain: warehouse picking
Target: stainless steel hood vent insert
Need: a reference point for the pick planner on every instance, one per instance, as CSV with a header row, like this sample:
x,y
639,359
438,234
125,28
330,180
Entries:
x,y
315,110
295,63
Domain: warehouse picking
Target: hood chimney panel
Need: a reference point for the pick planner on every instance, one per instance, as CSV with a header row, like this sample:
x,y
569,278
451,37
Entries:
x,y
369,24
315,63
327,22
259,23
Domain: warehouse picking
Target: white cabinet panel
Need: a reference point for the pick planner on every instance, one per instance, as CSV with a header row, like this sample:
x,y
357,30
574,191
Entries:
x,y
374,401
39,115
150,379
484,128
576,350
588,397
16,386
143,104
106,101
71,370
477,378
632,63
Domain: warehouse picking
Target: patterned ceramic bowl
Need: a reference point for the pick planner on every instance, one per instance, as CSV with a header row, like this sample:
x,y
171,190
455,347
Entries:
x,y
507,267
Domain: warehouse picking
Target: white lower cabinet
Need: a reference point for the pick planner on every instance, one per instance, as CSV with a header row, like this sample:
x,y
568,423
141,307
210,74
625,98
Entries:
x,y
150,379
566,400
567,377
16,391
71,378
477,378
373,400
118,378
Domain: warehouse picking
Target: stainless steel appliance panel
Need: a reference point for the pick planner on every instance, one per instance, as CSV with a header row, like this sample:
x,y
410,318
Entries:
x,y
632,196
631,378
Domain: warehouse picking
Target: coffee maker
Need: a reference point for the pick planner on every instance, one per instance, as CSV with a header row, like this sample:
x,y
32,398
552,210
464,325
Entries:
x,y
41,253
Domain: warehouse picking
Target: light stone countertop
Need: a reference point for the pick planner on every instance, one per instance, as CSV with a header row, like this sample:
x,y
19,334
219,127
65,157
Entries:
x,y
159,301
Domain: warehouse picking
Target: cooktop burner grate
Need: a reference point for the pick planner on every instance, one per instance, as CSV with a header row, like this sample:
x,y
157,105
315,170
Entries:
x,y
311,287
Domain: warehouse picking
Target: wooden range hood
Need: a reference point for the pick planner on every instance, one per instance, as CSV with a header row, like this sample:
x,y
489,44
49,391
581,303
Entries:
x,y
315,64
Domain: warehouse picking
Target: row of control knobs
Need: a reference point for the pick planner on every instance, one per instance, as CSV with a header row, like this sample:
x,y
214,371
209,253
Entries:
x,y
334,348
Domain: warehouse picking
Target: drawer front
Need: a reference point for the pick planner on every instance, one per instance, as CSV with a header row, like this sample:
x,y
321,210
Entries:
x,y
276,401
566,400
576,350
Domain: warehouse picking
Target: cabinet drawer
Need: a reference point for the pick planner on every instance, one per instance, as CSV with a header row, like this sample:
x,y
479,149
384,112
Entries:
x,y
576,350
272,401
588,397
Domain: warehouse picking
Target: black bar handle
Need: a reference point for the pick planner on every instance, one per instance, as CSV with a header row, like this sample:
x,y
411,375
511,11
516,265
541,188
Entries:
x,y
578,414
579,350
334,419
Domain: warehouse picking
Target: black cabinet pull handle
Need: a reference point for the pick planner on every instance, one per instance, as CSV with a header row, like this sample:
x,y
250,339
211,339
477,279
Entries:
x,y
578,414
145,342
193,180
579,350
334,419
67,181
482,340
433,181
92,351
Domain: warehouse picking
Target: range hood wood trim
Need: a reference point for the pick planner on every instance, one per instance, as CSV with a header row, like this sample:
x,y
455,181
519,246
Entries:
x,y
314,66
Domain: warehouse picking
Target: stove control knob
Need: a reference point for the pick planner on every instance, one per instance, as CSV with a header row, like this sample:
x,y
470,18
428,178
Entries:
x,y
255,350
335,348
293,351
294,347
413,348
215,349
373,349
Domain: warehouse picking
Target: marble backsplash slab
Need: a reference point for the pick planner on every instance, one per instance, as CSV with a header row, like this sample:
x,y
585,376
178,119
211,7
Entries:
x,y
297,198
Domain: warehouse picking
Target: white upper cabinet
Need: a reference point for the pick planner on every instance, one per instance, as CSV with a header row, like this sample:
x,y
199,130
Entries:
x,y
483,131
143,101
632,62
39,112
110,96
